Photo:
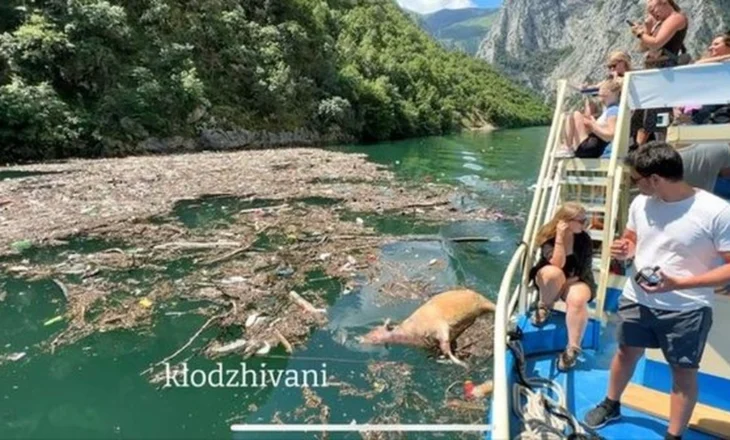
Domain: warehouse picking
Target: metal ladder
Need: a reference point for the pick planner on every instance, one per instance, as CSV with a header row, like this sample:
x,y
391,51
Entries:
x,y
596,184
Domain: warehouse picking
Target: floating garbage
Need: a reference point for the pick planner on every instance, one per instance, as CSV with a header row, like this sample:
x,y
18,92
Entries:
x,y
264,350
231,346
53,320
233,280
254,319
13,357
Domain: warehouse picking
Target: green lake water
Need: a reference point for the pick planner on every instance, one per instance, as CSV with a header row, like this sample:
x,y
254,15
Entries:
x,y
94,389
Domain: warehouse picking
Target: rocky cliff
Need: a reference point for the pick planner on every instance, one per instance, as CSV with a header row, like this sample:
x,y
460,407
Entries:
x,y
540,41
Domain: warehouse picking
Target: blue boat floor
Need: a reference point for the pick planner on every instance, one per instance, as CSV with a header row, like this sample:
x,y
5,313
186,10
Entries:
x,y
585,386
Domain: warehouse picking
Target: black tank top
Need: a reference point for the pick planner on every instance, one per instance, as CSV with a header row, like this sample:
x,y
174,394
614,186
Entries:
x,y
670,51
675,45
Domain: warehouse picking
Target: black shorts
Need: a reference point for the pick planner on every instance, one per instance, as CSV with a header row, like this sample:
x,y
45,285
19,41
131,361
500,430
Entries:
x,y
681,335
592,147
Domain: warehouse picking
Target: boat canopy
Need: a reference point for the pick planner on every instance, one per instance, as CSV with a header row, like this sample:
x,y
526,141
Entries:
x,y
695,85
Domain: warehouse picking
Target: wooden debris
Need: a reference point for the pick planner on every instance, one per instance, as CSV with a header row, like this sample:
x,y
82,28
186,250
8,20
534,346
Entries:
x,y
303,303
63,288
287,345
186,245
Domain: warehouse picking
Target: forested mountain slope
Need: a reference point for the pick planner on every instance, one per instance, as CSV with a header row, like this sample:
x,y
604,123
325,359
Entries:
x,y
460,29
95,77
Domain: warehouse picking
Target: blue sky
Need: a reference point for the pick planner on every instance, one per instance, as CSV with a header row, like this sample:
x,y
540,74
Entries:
x,y
426,6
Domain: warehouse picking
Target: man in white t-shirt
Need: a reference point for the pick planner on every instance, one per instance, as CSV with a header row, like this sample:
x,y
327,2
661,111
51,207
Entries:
x,y
684,231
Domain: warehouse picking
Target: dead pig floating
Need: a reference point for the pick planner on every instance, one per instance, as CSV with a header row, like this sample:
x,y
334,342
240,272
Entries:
x,y
438,322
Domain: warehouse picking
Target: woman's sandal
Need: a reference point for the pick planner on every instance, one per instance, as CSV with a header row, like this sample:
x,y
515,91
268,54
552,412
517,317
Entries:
x,y
568,358
541,315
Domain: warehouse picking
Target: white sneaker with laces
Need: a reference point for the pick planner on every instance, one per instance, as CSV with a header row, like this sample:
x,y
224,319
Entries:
x,y
564,152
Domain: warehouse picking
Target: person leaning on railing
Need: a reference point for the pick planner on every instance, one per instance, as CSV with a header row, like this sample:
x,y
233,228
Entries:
x,y
675,234
719,50
565,272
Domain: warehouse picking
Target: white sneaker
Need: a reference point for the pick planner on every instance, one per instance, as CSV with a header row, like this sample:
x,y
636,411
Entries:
x,y
564,152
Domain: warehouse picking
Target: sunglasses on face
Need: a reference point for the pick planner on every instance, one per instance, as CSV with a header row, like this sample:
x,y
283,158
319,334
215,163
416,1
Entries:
x,y
582,220
612,66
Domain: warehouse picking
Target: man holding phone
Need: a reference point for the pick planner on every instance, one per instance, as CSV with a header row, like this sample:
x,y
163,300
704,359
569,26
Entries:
x,y
686,232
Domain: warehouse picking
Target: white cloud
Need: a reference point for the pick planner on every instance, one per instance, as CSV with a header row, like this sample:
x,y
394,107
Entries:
x,y
427,6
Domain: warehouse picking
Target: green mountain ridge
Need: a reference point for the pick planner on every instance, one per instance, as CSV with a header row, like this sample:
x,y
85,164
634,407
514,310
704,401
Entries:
x,y
91,78
459,29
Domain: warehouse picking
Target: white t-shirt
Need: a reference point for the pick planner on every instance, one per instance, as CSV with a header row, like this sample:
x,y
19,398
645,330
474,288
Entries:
x,y
683,238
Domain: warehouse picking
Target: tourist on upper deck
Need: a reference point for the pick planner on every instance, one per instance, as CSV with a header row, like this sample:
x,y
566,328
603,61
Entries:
x,y
565,271
718,51
661,36
586,136
685,232
617,64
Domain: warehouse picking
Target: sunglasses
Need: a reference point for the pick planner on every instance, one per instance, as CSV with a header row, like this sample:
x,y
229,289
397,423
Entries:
x,y
582,220
612,66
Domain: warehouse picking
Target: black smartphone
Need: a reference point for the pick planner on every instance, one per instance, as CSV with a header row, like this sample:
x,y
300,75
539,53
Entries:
x,y
648,276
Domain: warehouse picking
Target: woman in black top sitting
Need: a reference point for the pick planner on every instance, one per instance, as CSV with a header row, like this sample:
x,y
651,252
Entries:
x,y
565,271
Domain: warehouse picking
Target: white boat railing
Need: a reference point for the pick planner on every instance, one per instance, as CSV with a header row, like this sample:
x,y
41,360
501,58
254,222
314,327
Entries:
x,y
505,308
509,300
539,197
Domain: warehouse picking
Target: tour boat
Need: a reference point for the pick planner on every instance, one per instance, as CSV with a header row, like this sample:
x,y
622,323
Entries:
x,y
531,398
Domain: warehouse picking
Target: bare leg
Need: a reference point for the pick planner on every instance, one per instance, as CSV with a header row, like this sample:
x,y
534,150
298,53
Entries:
x,y
568,131
683,400
622,368
580,128
550,280
576,318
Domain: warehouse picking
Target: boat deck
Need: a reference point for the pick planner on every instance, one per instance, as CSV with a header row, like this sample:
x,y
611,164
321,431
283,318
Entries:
x,y
586,385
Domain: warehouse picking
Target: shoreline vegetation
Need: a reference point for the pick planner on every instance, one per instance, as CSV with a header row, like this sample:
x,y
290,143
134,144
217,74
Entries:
x,y
95,79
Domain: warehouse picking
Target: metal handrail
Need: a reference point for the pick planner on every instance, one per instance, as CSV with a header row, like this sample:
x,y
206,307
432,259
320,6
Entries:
x,y
507,301
538,198
500,411
613,192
